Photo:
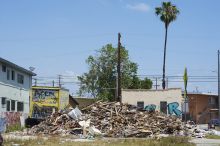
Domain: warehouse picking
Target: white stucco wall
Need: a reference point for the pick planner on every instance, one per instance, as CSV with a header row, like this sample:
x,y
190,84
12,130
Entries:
x,y
12,90
14,93
27,78
154,97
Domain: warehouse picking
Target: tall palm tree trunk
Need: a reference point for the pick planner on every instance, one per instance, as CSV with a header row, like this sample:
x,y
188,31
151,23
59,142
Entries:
x,y
164,58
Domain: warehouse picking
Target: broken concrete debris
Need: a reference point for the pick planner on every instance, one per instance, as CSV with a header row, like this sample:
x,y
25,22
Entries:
x,y
109,119
75,113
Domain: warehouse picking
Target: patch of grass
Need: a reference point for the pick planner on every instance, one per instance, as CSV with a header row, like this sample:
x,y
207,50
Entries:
x,y
170,141
211,136
174,140
14,127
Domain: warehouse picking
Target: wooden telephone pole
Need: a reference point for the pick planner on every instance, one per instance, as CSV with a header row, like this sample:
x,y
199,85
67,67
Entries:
x,y
119,68
218,85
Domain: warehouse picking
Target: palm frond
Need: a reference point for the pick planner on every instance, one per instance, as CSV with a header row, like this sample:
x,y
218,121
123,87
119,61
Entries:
x,y
158,10
167,12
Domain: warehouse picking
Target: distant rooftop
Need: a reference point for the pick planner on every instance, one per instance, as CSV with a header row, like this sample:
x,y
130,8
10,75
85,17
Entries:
x,y
202,93
6,62
50,87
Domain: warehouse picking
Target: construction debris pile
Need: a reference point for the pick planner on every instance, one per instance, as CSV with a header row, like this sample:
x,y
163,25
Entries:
x,y
109,119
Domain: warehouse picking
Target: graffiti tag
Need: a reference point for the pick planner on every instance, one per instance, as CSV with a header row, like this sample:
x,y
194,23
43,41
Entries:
x,y
11,117
42,112
172,108
44,94
150,108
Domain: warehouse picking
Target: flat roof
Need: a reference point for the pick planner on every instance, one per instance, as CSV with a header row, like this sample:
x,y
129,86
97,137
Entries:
x,y
6,62
49,87
205,94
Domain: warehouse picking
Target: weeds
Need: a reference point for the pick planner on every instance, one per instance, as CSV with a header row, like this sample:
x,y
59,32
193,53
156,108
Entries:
x,y
210,136
170,141
14,127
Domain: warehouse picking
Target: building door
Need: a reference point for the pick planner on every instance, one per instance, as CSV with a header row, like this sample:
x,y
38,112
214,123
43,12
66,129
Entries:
x,y
163,107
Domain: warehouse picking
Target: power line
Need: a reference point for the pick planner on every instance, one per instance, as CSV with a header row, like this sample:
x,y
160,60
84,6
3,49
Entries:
x,y
60,37
195,81
174,75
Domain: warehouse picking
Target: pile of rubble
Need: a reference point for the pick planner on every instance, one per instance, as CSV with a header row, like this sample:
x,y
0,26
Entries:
x,y
109,119
57,123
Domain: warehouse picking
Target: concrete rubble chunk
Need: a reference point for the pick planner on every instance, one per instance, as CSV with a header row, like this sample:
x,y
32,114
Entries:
x,y
75,113
94,131
85,124
113,119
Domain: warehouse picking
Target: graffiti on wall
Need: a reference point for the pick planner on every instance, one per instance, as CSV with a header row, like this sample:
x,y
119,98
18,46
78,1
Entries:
x,y
42,112
173,108
150,107
46,96
11,117
2,125
43,94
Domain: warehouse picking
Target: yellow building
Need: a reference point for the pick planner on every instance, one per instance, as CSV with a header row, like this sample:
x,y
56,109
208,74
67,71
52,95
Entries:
x,y
44,100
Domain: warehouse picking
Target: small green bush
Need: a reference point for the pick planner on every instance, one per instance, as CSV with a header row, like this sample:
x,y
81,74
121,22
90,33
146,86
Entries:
x,y
14,127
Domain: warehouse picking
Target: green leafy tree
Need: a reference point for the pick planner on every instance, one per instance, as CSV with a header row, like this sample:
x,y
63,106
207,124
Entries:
x,y
100,80
137,83
168,13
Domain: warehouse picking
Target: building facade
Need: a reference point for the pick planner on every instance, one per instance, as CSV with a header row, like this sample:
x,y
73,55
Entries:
x,y
202,107
84,102
15,84
167,101
44,100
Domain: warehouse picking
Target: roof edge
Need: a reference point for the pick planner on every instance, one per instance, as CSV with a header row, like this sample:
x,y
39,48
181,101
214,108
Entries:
x,y
4,61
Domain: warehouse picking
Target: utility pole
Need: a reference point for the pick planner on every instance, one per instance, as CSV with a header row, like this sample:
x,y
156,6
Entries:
x,y
35,82
119,67
53,83
59,80
218,86
167,83
156,85
116,89
197,90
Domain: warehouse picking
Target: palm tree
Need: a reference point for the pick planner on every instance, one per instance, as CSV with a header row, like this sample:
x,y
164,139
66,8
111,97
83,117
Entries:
x,y
185,79
167,13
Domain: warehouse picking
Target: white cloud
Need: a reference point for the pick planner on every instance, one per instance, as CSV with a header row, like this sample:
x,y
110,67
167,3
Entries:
x,y
142,7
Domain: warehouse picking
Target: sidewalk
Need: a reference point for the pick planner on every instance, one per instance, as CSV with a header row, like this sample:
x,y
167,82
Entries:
x,y
206,142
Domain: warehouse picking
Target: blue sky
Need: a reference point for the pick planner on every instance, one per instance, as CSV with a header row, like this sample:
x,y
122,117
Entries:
x,y
57,36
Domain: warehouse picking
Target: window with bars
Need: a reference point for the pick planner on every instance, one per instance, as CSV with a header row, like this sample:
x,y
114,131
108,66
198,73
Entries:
x,y
3,102
12,105
12,75
8,105
20,79
8,74
20,106
3,68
